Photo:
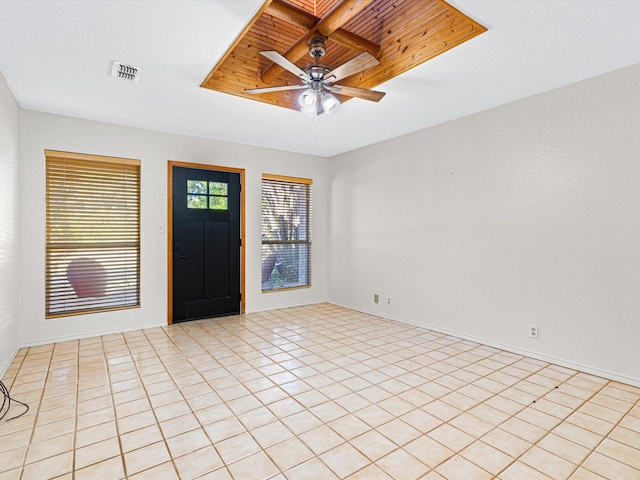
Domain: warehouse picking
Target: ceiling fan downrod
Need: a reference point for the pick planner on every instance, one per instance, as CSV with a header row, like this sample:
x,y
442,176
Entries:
x,y
317,48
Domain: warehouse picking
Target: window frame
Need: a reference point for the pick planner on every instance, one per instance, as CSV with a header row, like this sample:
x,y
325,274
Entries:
x,y
306,182
58,233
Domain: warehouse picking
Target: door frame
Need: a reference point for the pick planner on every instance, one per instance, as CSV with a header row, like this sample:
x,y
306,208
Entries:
x,y
200,166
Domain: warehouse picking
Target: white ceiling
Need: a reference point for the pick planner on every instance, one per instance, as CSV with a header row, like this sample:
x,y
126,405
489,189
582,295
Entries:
x,y
56,57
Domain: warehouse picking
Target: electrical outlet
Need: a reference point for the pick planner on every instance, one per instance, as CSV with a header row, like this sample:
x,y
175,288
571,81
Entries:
x,y
376,298
388,300
533,331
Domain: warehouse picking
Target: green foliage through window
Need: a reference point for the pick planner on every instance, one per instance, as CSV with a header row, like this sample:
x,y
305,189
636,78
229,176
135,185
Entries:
x,y
196,201
218,203
207,195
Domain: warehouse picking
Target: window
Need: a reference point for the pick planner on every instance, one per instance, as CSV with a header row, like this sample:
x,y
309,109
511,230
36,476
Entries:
x,y
207,195
92,233
286,232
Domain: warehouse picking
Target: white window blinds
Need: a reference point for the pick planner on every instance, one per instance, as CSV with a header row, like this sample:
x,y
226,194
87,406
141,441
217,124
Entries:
x,y
92,233
286,232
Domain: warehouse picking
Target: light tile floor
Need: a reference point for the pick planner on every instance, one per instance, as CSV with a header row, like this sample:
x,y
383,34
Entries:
x,y
316,392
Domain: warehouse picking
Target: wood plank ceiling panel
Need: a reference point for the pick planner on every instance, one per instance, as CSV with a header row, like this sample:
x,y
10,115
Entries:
x,y
409,33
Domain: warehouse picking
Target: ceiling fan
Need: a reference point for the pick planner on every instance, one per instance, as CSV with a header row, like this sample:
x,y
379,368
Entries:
x,y
318,80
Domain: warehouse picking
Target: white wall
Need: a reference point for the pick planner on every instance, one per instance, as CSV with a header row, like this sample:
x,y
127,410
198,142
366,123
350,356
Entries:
x,y
524,214
41,131
9,249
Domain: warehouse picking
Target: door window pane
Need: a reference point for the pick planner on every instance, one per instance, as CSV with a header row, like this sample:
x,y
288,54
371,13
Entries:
x,y
197,186
218,203
196,201
218,188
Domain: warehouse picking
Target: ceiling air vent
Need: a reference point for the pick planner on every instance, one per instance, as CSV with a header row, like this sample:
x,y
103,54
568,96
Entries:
x,y
125,72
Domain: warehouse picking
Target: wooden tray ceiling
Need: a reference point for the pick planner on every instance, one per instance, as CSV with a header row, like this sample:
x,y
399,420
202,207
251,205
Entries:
x,y
399,33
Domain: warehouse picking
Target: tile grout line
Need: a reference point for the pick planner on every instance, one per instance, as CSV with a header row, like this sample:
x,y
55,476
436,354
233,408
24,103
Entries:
x,y
340,355
391,393
148,397
75,430
113,406
548,432
605,437
36,413
234,415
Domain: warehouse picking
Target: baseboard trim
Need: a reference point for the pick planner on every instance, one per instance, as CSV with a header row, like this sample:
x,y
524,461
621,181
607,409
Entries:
x,y
112,331
288,305
101,333
465,336
509,348
4,367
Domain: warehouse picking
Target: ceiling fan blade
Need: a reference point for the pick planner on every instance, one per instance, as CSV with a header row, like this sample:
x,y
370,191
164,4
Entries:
x,y
355,65
275,89
275,57
363,93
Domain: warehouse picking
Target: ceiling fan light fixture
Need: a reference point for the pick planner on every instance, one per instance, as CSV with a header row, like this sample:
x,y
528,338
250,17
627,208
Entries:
x,y
308,100
330,103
